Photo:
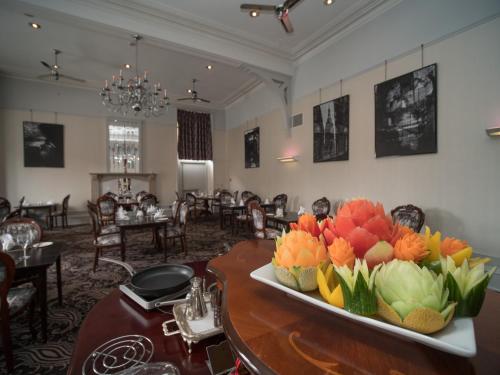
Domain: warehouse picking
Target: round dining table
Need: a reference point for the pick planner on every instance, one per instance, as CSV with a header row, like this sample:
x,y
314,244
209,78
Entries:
x,y
117,315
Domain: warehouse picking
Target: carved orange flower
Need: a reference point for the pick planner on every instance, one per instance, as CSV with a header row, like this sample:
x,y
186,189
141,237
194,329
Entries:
x,y
411,247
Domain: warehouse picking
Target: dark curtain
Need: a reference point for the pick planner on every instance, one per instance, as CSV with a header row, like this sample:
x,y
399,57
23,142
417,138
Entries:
x,y
195,136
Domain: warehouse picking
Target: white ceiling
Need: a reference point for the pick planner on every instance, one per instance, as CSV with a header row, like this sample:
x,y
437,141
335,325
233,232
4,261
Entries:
x,y
181,38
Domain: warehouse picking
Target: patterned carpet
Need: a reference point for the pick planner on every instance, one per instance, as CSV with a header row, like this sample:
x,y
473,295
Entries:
x,y
82,289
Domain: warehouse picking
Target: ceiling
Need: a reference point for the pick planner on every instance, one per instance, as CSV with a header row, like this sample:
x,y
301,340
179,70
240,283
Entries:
x,y
181,38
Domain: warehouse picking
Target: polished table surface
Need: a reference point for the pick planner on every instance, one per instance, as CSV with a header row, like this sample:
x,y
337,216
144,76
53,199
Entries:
x,y
117,315
274,333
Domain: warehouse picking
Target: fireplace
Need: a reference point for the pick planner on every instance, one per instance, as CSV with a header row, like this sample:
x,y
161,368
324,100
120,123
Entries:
x,y
101,183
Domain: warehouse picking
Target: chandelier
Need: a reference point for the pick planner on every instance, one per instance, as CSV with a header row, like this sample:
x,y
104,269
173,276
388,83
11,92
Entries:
x,y
136,95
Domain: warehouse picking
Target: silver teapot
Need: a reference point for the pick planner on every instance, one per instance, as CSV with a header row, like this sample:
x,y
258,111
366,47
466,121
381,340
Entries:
x,y
196,307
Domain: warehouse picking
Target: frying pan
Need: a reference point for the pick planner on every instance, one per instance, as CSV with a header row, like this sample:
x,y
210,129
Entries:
x,y
157,281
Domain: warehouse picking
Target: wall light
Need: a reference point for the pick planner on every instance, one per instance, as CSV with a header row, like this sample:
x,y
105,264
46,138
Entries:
x,y
494,131
287,159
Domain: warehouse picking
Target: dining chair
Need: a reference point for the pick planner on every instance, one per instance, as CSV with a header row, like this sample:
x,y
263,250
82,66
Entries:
x,y
259,221
225,200
103,229
106,209
63,214
140,195
409,215
280,201
13,302
216,202
242,218
148,200
177,230
15,213
23,223
321,208
104,241
4,208
21,201
235,195
112,195
193,205
246,194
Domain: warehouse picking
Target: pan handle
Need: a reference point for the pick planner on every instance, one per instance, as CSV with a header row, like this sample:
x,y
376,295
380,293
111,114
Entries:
x,y
127,266
166,332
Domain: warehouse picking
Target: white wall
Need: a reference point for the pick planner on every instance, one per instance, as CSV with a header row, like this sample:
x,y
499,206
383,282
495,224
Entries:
x,y
457,187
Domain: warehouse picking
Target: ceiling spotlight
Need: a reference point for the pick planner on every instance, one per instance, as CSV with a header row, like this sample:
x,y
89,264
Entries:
x,y
189,91
209,67
127,66
55,66
254,13
35,25
328,2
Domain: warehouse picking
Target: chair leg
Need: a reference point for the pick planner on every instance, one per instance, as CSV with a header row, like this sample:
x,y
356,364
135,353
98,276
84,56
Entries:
x,y
183,245
7,342
31,316
122,251
96,259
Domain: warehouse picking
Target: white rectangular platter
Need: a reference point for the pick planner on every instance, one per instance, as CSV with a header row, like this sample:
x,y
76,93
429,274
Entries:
x,y
457,338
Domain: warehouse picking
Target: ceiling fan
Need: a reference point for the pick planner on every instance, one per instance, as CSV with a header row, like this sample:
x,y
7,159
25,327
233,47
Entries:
x,y
281,11
194,95
54,71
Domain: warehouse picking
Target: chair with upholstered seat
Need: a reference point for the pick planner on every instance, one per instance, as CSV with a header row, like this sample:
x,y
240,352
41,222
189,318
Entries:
x,y
217,195
104,229
63,213
321,208
280,201
140,195
259,221
246,194
104,241
13,301
23,223
148,200
178,230
409,215
243,218
225,200
4,208
106,210
112,195
194,205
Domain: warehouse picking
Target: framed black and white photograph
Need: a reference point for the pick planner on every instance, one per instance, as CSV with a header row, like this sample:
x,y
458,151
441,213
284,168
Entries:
x,y
406,114
252,151
331,130
43,145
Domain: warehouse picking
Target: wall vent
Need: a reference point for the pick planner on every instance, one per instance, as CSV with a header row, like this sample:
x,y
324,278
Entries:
x,y
296,120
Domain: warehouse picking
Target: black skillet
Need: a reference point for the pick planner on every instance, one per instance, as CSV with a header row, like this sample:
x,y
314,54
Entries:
x,y
157,281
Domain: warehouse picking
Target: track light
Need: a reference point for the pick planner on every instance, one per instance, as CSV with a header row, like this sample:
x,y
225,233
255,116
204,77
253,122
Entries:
x,y
328,2
35,25
254,13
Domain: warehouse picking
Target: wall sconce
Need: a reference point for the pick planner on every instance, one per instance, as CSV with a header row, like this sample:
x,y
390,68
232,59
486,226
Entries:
x,y
287,159
494,131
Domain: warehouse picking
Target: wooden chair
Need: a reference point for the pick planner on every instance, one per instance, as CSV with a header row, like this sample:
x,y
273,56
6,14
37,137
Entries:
x,y
321,208
112,195
216,202
259,221
13,301
280,201
4,208
104,229
193,205
104,241
246,194
21,201
24,222
13,214
225,198
106,210
140,195
63,214
409,215
177,230
242,218
148,200
235,196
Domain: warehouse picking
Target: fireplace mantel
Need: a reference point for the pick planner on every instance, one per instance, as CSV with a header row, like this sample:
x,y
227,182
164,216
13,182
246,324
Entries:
x,y
96,179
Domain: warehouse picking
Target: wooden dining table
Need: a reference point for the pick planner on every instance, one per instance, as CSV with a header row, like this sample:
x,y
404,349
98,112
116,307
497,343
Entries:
x,y
35,268
285,220
274,333
117,315
239,208
48,207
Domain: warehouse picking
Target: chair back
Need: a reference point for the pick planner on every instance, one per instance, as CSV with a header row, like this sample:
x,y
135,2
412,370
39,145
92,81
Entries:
x,y
148,200
409,215
183,216
235,196
190,199
65,204
94,219
4,208
246,194
225,197
12,214
106,209
140,195
23,223
112,195
259,218
321,208
280,201
21,201
253,198
178,196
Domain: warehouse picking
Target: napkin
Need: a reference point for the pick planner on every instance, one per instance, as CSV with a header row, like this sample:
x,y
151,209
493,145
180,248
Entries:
x,y
241,202
139,214
301,211
7,241
50,202
279,212
233,201
266,201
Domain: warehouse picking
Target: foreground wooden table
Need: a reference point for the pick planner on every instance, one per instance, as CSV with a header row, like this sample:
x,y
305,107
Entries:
x,y
117,315
274,333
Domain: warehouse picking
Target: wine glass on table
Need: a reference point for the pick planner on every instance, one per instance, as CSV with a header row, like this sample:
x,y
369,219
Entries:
x,y
25,240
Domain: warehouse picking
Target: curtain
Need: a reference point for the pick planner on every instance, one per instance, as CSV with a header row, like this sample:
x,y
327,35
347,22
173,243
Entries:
x,y
195,136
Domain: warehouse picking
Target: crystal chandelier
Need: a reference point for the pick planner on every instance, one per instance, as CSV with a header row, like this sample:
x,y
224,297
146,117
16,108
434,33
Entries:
x,y
135,95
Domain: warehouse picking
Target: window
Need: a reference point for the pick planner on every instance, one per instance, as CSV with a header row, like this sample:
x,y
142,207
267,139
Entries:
x,y
124,146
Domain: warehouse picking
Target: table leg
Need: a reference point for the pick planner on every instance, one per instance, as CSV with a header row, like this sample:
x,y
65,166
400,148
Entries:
x,y
51,223
59,280
122,246
165,241
42,294
221,217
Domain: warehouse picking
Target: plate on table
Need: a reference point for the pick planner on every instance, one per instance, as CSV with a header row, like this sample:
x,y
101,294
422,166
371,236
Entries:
x,y
162,218
457,338
270,215
42,244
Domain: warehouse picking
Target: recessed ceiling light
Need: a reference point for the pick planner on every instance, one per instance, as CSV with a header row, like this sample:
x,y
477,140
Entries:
x,y
127,66
209,67
35,25
254,13
328,2
189,91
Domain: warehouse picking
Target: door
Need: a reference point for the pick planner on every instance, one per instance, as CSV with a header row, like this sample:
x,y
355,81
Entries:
x,y
194,176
